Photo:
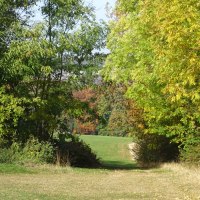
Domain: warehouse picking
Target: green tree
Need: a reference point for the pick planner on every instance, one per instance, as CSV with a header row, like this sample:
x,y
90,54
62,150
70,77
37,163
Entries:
x,y
11,106
10,111
46,63
155,52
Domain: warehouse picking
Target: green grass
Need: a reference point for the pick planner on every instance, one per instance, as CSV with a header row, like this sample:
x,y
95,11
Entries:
x,y
14,169
48,182
113,151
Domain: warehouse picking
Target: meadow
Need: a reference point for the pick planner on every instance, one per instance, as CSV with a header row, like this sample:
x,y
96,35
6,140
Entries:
x,y
119,178
112,151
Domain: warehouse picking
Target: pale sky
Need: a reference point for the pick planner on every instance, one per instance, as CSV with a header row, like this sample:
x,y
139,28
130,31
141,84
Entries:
x,y
100,7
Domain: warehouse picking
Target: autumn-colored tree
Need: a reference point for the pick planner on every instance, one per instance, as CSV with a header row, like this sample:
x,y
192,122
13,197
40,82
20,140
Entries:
x,y
87,122
155,53
119,115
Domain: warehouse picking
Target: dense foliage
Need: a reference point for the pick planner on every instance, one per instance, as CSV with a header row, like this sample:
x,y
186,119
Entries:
x,y
155,52
50,87
42,64
118,115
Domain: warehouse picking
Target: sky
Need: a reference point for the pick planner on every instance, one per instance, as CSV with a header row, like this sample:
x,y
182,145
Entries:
x,y
100,7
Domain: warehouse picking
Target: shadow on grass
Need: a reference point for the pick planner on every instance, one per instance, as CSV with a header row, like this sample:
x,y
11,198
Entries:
x,y
120,165
117,165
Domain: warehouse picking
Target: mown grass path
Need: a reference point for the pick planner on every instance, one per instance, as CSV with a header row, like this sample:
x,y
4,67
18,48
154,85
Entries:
x,y
79,184
169,182
113,151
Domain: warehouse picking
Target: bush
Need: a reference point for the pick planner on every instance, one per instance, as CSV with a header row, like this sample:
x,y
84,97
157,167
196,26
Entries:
x,y
67,150
70,150
154,149
191,152
33,151
6,155
37,152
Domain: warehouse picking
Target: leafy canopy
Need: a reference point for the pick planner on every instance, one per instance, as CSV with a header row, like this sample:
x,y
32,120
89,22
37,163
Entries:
x,y
155,52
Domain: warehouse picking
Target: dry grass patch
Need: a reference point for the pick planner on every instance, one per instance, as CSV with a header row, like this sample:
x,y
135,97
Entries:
x,y
166,183
188,178
169,182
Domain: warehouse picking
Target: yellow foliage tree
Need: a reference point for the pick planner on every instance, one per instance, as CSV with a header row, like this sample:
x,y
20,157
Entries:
x,y
155,51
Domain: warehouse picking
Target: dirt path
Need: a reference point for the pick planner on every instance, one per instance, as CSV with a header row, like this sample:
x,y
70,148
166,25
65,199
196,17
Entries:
x,y
133,149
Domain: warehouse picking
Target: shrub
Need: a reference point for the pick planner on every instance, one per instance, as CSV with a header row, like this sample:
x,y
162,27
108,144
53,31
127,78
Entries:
x,y
67,150
154,149
6,155
190,153
11,154
31,152
70,150
37,152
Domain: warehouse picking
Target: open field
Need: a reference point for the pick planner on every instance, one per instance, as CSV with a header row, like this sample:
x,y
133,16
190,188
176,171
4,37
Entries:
x,y
170,181
113,151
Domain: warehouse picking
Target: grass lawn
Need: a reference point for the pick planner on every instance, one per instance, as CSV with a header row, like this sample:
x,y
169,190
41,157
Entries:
x,y
169,182
113,151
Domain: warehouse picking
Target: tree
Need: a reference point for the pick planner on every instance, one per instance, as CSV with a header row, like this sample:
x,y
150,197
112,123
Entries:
x,y
155,53
11,107
117,114
41,67
46,63
10,14
87,122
